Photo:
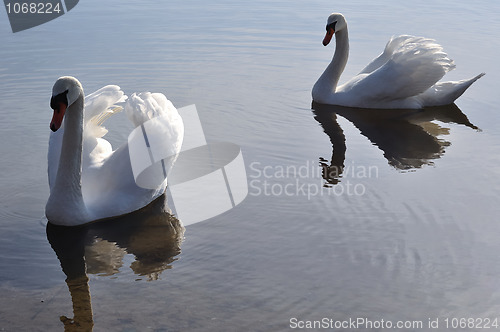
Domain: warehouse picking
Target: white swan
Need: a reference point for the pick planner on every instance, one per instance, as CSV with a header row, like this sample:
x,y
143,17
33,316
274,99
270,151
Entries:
x,y
88,180
405,75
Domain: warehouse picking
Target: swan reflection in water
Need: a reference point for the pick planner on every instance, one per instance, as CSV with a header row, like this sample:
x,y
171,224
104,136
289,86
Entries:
x,y
408,138
151,234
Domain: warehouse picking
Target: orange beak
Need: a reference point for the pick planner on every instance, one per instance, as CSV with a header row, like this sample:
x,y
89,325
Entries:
x,y
328,37
58,116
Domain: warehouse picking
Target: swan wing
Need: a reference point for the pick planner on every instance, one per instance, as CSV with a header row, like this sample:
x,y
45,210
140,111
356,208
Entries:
x,y
109,184
414,66
99,106
99,101
145,106
390,48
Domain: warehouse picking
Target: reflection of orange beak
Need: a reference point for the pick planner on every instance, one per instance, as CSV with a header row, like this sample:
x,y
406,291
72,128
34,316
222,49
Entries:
x,y
328,36
58,116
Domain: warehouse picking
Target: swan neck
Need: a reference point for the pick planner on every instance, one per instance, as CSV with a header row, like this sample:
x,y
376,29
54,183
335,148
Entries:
x,y
65,205
70,162
326,85
340,56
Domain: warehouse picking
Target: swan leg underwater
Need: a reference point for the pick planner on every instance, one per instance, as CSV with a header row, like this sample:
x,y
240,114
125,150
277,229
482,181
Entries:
x,y
89,180
405,75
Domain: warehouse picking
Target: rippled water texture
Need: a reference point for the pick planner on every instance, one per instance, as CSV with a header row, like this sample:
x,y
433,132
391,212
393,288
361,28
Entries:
x,y
406,230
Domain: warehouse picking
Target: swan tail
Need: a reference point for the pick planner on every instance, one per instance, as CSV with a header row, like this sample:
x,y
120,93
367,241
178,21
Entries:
x,y
445,93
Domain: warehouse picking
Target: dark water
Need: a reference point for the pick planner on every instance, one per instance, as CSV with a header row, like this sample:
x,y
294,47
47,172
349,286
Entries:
x,y
408,231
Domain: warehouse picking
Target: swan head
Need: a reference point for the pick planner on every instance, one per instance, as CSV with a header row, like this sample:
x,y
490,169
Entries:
x,y
65,92
334,23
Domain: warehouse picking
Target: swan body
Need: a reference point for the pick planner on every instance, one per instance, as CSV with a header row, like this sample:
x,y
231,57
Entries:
x,y
89,180
405,75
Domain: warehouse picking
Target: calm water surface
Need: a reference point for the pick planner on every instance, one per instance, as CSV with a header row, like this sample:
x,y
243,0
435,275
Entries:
x,y
408,232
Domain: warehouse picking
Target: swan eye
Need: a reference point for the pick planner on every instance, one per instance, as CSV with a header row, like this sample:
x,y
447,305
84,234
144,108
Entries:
x,y
331,26
60,98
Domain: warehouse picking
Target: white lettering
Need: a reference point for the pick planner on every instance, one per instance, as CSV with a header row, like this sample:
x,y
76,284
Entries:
x,y
255,169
